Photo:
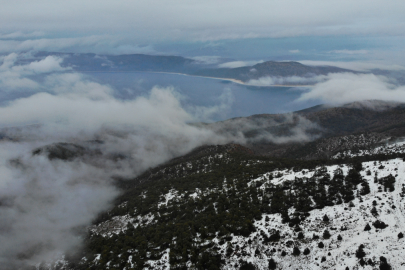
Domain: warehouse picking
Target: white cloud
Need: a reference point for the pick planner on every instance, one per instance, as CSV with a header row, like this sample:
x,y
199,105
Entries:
x,y
226,100
357,66
64,196
47,65
350,51
47,201
294,51
302,130
103,44
205,20
19,35
340,88
290,80
208,60
236,64
14,76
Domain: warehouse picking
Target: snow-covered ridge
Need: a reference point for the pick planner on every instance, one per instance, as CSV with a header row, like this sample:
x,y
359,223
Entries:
x,y
345,220
393,148
120,224
346,226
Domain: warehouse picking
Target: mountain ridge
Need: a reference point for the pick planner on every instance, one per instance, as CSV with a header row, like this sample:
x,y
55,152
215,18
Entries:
x,y
271,68
90,62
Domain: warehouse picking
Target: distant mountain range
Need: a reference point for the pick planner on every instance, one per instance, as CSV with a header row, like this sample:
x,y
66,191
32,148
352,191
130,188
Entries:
x,y
270,68
85,62
90,62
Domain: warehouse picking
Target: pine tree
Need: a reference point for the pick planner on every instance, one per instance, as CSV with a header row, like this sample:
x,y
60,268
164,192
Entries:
x,y
384,264
296,251
326,234
379,224
347,192
360,252
272,264
365,188
367,228
374,211
353,177
374,203
247,266
275,237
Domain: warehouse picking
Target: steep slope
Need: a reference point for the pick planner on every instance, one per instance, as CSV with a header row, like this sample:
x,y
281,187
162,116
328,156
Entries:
x,y
223,209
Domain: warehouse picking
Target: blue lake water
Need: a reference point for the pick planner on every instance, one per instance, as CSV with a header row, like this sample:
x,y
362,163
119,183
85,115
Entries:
x,y
198,91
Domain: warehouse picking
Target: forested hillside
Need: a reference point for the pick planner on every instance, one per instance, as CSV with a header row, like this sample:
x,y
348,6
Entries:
x,y
224,208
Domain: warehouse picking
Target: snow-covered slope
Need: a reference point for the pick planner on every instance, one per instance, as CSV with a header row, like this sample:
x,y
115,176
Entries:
x,y
387,149
344,220
346,226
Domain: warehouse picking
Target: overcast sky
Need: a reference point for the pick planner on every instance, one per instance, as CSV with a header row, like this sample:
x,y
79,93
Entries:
x,y
207,27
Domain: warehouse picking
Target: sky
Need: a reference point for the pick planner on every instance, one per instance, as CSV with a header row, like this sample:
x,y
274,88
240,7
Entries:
x,y
248,30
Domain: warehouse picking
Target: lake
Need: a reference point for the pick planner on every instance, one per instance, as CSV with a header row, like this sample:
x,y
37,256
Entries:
x,y
237,99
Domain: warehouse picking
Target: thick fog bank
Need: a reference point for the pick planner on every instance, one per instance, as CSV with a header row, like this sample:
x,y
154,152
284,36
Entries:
x,y
46,204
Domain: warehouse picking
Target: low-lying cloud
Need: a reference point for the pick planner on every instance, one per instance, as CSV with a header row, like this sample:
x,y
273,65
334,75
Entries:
x,y
354,65
13,77
236,64
290,80
19,35
45,204
103,44
278,129
350,52
340,88
207,60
